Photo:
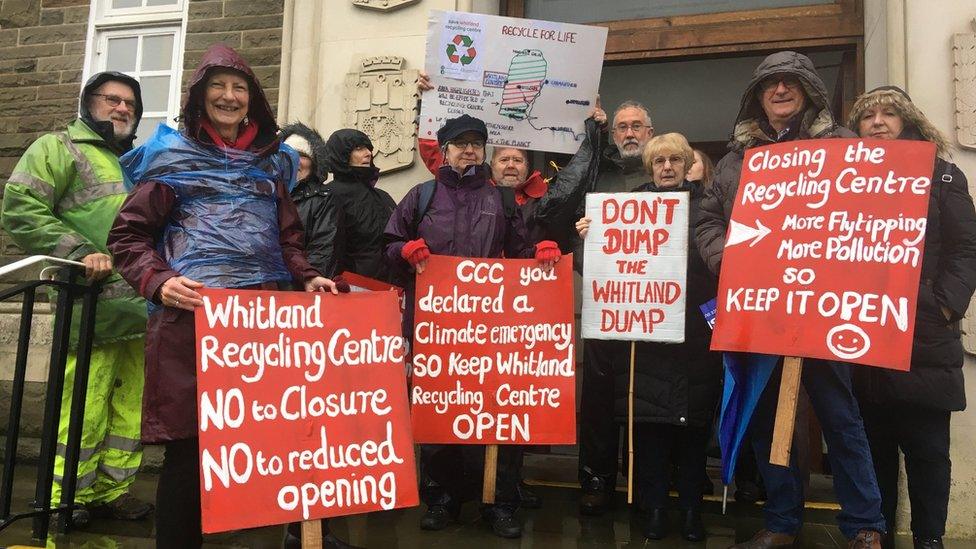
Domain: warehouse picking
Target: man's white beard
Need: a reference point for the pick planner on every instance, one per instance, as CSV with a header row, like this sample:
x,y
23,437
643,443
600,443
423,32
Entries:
x,y
126,133
630,153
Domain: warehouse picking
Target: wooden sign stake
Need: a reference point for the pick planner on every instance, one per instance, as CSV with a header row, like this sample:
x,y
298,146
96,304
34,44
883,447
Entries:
x,y
630,427
311,534
789,391
491,472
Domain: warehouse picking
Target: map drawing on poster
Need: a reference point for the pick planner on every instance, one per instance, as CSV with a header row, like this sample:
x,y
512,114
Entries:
x,y
635,266
823,254
507,72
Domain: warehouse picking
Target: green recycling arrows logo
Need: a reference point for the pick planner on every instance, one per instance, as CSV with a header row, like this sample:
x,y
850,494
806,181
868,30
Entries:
x,y
461,49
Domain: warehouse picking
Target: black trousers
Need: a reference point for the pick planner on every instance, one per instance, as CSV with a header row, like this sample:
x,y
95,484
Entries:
x,y
656,447
178,497
922,434
599,435
451,474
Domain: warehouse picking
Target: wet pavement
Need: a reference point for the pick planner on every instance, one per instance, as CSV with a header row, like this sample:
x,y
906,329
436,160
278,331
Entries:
x,y
556,525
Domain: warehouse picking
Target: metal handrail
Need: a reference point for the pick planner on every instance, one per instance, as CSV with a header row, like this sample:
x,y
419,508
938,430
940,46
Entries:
x,y
69,289
29,261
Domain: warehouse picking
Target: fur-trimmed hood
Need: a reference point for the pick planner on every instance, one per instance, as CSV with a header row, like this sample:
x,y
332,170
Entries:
x,y
817,119
916,125
316,144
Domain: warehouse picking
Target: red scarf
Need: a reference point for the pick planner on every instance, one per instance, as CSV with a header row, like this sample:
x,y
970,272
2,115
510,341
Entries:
x,y
533,187
244,138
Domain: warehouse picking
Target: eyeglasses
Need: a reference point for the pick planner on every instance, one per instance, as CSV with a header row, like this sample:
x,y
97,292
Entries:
x,y
636,127
476,144
114,101
790,82
675,160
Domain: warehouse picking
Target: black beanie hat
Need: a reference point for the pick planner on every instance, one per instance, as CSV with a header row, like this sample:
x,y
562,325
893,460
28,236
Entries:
x,y
457,126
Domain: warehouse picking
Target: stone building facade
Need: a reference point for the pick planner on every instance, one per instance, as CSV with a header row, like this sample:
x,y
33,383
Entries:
x,y
46,50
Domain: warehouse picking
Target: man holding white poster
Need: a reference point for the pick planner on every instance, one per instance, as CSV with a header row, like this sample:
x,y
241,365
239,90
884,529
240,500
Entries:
x,y
643,280
607,167
532,82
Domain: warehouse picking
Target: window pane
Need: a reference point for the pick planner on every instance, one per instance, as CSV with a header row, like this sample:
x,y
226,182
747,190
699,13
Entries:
x,y
161,2
587,11
157,52
147,127
121,54
155,93
116,4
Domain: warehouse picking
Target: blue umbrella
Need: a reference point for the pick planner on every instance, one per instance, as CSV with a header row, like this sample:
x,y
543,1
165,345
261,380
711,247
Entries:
x,y
746,375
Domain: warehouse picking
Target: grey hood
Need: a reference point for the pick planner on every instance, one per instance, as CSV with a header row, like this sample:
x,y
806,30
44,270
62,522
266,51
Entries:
x,y
817,118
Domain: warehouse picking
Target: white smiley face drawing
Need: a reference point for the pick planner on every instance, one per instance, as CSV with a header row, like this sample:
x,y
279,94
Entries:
x,y
848,341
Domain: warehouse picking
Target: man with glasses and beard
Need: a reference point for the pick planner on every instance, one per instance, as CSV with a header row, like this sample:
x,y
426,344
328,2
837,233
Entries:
x,y
601,167
61,200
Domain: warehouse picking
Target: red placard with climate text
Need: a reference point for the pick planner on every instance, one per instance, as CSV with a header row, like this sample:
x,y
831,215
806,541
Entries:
x,y
824,251
494,355
302,403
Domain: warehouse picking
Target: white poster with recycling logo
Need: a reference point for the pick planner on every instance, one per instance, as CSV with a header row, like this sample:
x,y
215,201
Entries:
x,y
532,82
459,57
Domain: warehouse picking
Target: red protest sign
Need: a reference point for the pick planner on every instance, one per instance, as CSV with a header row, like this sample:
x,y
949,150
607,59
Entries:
x,y
302,407
824,251
494,359
360,283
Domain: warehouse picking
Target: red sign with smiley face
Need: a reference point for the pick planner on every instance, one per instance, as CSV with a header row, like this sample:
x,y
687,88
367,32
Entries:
x,y
824,251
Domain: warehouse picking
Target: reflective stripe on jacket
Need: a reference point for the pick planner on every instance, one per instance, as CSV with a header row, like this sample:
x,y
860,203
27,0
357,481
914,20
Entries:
x,y
61,200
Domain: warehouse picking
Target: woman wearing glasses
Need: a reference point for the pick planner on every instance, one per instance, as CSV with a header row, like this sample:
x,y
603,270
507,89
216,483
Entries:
x,y
676,387
460,213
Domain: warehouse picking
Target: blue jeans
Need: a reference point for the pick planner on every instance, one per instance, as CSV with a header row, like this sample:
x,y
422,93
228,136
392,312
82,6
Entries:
x,y
828,384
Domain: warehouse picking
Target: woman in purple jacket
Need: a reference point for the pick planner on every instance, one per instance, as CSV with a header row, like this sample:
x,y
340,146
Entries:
x,y
462,214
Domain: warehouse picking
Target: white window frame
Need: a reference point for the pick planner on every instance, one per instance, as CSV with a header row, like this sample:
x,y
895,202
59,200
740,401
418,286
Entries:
x,y
103,13
173,104
105,22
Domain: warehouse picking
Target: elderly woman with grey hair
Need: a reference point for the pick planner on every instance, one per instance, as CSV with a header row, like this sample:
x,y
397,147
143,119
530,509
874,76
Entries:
x,y
911,410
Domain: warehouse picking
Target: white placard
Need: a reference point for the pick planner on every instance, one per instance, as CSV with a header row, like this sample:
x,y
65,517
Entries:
x,y
532,82
635,265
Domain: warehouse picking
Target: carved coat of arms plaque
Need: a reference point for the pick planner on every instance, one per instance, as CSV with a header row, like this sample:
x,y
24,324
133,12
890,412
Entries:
x,y
383,5
380,100
964,65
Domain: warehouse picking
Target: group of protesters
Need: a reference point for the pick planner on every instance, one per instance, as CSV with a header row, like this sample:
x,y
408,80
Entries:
x,y
229,201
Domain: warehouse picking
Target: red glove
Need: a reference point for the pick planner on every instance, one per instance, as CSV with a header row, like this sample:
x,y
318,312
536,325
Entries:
x,y
415,251
547,251
341,284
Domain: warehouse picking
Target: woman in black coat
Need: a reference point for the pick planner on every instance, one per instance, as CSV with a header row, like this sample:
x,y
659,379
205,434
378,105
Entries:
x,y
676,386
910,410
313,198
363,208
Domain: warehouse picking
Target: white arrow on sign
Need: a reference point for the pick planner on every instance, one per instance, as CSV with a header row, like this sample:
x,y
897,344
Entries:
x,y
739,233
